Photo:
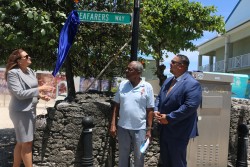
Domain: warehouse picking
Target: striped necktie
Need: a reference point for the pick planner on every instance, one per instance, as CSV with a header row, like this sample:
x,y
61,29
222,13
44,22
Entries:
x,y
172,85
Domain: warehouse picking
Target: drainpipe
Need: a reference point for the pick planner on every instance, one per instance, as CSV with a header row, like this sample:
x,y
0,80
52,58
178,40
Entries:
x,y
199,62
227,52
211,63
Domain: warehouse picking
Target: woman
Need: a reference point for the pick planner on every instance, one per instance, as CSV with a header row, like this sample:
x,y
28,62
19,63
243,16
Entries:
x,y
24,91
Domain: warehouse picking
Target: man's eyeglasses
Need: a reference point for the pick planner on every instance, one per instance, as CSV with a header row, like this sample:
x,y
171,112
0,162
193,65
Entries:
x,y
175,62
130,69
25,57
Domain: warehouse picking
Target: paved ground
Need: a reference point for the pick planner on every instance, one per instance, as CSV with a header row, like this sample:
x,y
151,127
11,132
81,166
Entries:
x,y
5,121
7,134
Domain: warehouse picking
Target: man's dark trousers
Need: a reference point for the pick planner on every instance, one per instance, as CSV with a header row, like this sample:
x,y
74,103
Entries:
x,y
173,152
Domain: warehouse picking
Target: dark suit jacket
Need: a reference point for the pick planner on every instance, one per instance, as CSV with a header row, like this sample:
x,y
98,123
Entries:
x,y
180,105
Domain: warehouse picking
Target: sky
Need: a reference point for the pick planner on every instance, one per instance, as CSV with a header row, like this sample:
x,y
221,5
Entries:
x,y
224,8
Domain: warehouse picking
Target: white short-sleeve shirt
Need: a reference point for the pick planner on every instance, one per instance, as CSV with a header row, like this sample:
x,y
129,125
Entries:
x,y
133,104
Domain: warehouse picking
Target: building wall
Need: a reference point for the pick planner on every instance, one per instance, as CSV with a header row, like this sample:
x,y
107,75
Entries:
x,y
155,85
149,71
241,47
220,54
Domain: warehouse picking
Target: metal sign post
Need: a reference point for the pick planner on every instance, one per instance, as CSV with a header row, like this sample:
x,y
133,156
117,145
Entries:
x,y
135,30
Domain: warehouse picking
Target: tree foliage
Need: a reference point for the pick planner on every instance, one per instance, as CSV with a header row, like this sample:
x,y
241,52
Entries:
x,y
34,25
172,25
165,25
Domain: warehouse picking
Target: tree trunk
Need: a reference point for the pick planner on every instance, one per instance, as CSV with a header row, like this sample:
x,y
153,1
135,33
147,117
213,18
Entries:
x,y
160,68
70,80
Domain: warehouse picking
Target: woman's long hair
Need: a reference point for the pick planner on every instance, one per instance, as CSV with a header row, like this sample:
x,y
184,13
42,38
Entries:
x,y
12,61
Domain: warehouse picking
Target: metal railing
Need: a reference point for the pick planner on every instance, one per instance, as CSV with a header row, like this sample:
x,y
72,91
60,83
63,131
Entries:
x,y
216,67
234,63
219,66
238,62
206,67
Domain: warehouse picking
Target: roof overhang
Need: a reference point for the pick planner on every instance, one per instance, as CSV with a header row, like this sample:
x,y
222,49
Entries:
x,y
211,45
235,34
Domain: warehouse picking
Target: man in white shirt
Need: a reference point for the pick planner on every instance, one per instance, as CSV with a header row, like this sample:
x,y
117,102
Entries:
x,y
134,103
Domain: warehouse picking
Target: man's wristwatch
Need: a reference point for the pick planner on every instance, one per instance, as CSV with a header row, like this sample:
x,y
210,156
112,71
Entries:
x,y
149,128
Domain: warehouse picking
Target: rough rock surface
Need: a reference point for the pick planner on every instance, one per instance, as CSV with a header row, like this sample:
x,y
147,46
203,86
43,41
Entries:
x,y
58,143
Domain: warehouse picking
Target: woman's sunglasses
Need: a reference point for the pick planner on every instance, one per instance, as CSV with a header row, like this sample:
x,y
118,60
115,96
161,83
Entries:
x,y
25,57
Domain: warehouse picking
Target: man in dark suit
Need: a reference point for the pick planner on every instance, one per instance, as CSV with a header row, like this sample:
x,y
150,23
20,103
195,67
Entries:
x,y
176,112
